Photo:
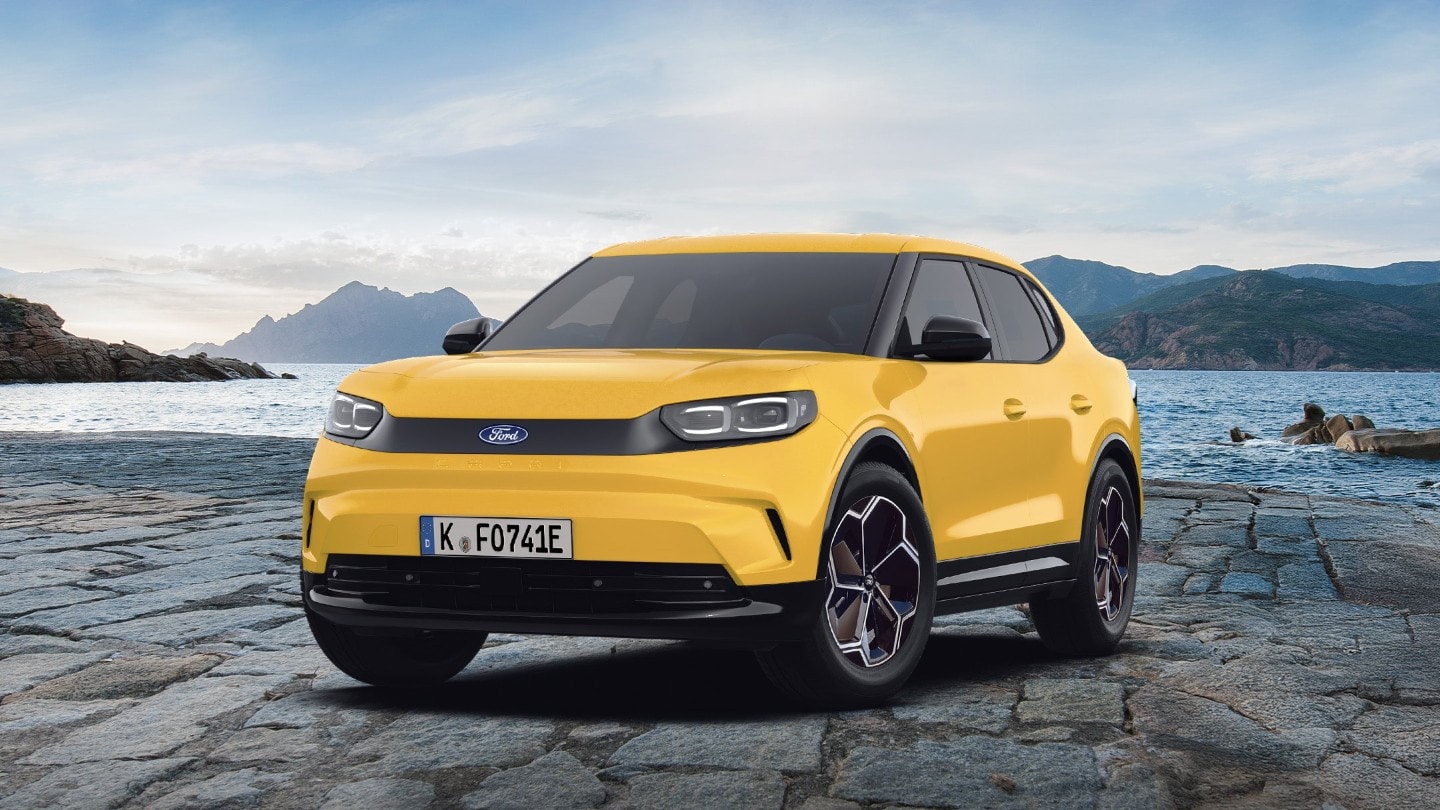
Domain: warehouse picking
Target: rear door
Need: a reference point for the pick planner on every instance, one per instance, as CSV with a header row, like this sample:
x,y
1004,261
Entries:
x,y
1029,343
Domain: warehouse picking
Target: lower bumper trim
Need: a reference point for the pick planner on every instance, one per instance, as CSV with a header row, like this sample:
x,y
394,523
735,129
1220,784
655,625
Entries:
x,y
762,617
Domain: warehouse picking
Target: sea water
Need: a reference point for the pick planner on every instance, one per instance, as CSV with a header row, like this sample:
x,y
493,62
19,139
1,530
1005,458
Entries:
x,y
1185,418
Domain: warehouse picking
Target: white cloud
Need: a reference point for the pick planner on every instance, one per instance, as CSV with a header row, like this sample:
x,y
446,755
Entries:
x,y
1370,169
259,161
1239,135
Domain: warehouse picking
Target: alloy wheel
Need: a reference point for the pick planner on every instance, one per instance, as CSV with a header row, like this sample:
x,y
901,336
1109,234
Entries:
x,y
1112,554
874,581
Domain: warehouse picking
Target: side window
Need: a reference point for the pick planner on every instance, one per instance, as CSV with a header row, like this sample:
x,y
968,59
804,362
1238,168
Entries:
x,y
1047,313
588,322
1022,330
940,288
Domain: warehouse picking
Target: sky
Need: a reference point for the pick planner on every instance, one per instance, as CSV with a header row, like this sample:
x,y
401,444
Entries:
x,y
177,170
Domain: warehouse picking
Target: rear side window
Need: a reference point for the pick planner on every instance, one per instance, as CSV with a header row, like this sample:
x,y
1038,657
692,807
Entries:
x,y
1023,331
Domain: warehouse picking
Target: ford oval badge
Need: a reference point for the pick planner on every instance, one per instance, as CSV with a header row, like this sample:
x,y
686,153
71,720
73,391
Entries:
x,y
504,434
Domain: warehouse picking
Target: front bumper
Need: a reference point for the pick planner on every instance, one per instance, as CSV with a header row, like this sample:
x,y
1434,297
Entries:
x,y
693,602
756,511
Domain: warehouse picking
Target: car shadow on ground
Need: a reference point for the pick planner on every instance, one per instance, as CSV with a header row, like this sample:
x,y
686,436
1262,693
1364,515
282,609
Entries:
x,y
675,682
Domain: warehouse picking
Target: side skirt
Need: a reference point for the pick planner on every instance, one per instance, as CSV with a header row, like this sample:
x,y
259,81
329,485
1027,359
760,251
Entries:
x,y
1012,596
1009,574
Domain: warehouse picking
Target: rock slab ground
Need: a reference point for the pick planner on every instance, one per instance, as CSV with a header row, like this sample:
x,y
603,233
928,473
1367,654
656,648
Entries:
x,y
1285,653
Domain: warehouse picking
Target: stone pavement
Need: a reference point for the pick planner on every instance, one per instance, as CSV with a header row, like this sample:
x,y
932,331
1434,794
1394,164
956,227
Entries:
x,y
1285,653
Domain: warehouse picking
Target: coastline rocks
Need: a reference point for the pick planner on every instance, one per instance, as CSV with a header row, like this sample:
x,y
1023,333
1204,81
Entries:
x,y
1422,444
34,348
1310,430
1338,426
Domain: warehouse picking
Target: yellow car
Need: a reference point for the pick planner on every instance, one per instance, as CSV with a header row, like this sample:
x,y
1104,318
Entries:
x,y
805,444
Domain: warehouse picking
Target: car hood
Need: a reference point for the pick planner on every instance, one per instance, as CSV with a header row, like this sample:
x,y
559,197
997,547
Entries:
x,y
575,384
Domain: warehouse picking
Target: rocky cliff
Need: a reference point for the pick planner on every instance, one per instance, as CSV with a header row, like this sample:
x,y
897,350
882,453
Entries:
x,y
34,348
1269,321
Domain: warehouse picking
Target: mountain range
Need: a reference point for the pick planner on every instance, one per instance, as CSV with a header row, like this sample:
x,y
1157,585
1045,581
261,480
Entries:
x,y
1307,316
357,323
1089,287
1263,319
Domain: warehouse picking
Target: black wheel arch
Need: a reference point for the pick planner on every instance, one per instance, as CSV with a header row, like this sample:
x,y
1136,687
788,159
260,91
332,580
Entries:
x,y
879,445
1117,449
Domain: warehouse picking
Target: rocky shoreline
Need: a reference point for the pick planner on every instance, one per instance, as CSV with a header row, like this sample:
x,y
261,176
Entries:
x,y
34,348
154,655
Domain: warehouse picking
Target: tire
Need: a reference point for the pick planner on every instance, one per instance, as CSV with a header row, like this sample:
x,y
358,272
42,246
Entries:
x,y
1091,618
395,662
844,661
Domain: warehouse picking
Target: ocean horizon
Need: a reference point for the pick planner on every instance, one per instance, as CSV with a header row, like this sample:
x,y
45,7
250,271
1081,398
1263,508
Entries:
x,y
1185,419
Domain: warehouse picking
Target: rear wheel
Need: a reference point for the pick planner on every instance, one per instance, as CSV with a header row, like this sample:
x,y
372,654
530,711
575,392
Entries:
x,y
424,659
1091,619
879,564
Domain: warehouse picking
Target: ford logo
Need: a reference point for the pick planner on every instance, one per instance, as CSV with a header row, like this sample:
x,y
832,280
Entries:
x,y
504,434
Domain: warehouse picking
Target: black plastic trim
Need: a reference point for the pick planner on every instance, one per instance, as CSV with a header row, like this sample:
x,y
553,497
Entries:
x,y
1001,579
643,435
764,616
892,306
852,458
779,527
1001,598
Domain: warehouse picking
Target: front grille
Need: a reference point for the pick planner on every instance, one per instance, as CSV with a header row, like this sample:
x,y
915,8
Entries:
x,y
564,587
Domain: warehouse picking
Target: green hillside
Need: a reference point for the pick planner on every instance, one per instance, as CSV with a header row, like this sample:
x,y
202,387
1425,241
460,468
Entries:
x,y
1267,320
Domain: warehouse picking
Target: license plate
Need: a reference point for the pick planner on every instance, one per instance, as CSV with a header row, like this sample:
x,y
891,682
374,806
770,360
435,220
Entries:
x,y
449,536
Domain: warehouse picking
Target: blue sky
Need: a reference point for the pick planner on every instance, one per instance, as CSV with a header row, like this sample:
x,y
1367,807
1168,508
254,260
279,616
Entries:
x,y
206,164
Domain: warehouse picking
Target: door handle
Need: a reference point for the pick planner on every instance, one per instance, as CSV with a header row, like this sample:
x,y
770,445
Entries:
x,y
1080,404
1014,409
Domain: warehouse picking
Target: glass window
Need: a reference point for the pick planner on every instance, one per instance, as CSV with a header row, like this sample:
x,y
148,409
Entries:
x,y
794,301
1047,313
1022,330
668,328
940,288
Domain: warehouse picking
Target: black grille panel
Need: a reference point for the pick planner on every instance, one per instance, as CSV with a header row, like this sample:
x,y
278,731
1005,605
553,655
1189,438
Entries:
x,y
565,587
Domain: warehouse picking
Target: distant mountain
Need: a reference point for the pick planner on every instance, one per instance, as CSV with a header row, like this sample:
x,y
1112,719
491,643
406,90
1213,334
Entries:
x,y
1402,273
355,324
1269,320
1089,288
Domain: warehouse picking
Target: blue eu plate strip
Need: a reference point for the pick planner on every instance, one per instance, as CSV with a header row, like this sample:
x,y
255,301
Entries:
x,y
427,535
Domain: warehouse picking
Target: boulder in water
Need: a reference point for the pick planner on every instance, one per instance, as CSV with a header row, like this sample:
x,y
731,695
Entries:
x,y
1314,418
1338,426
1423,444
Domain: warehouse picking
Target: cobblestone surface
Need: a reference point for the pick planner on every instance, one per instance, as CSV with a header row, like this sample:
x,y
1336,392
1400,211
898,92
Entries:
x,y
1285,653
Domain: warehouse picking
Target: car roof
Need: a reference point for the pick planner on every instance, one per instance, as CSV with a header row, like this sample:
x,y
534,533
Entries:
x,y
805,243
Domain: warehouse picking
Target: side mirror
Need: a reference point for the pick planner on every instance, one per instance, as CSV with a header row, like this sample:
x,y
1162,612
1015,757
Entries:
x,y
946,337
466,336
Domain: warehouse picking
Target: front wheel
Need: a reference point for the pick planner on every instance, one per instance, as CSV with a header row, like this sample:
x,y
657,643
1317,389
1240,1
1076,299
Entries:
x,y
1092,617
878,563
424,659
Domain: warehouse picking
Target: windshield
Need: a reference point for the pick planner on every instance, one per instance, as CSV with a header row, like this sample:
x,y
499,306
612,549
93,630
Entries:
x,y
798,301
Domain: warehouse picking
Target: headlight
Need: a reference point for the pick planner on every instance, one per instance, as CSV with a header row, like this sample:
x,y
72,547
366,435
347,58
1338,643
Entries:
x,y
751,417
353,417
